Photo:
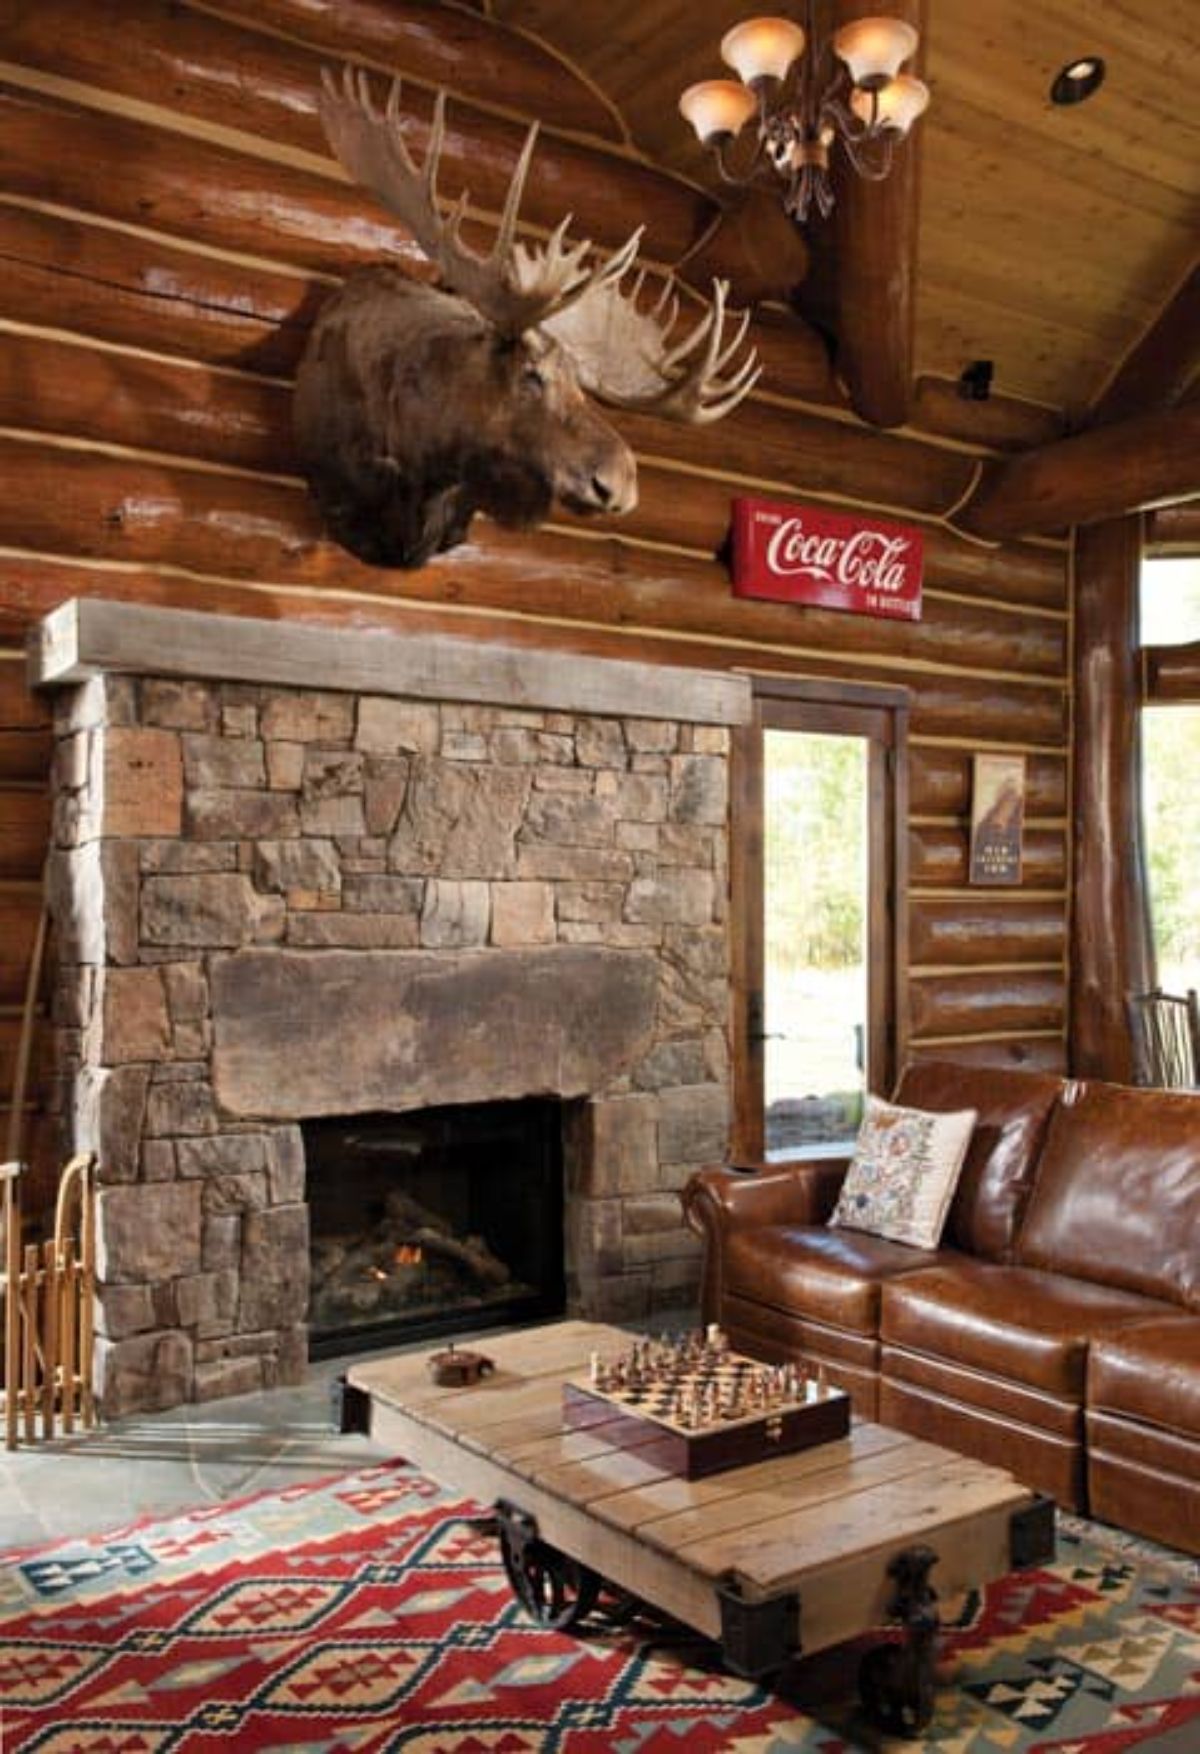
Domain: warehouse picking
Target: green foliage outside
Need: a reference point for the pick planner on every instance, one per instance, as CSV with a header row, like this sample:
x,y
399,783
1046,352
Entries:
x,y
815,850
1171,756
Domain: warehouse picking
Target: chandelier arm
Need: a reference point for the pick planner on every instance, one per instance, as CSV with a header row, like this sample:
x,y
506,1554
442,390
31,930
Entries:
x,y
751,173
850,127
886,144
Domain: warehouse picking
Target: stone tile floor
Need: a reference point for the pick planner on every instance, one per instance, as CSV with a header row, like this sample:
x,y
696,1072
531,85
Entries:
x,y
155,1464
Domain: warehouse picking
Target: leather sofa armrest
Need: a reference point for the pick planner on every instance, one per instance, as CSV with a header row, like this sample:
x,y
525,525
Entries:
x,y
716,1200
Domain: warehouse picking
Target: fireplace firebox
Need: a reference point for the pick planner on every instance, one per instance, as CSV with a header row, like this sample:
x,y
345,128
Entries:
x,y
434,1221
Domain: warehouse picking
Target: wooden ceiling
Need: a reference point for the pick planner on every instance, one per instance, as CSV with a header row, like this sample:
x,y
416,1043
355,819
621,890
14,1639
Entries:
x,y
1050,239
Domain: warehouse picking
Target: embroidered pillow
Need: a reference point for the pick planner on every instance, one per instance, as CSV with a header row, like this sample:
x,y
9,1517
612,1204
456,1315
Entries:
x,y
904,1171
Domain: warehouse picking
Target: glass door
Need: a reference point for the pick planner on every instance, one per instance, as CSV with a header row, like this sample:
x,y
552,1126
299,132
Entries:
x,y
816,876
816,861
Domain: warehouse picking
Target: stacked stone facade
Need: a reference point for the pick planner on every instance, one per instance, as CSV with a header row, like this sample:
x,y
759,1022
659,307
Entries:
x,y
217,844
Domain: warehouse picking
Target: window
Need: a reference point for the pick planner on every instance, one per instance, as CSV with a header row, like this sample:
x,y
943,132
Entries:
x,y
1170,615
1170,601
815,881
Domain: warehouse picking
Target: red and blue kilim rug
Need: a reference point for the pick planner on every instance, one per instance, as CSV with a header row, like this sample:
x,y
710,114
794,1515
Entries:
x,y
367,1614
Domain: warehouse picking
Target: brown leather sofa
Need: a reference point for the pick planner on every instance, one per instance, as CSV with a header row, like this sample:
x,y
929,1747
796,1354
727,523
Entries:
x,y
1056,1331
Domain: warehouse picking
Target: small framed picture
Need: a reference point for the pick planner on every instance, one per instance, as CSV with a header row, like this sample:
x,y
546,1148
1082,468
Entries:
x,y
997,818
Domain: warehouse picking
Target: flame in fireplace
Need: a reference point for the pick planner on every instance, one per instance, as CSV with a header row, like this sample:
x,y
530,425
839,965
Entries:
x,y
409,1254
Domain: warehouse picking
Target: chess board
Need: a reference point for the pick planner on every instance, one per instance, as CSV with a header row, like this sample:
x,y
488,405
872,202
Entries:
x,y
695,1407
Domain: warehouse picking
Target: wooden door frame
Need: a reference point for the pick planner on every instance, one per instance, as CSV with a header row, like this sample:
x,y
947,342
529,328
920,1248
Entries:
x,y
880,714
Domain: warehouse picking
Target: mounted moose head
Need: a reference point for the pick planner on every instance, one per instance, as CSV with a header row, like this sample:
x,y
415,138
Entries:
x,y
416,406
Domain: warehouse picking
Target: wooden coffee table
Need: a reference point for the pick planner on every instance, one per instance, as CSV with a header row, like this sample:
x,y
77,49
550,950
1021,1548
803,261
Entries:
x,y
792,1554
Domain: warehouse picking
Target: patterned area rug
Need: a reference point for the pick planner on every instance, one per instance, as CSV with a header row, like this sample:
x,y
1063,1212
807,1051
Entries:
x,y
367,1614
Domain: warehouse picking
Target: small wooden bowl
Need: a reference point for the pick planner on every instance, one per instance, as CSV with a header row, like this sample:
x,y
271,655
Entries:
x,y
453,1369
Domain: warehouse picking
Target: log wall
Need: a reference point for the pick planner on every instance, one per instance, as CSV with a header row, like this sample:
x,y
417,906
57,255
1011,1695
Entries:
x,y
169,224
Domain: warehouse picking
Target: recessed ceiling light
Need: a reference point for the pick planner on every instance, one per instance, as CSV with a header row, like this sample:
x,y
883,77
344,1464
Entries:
x,y
1077,80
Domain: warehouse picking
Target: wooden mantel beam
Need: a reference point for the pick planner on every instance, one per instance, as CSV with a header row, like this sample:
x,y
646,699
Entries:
x,y
875,226
1163,365
1146,461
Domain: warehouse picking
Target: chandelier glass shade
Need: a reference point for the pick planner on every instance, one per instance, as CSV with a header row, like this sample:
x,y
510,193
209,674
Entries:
x,y
807,97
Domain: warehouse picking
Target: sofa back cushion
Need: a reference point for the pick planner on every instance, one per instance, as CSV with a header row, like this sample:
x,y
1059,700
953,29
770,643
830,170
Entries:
x,y
1013,1110
1117,1196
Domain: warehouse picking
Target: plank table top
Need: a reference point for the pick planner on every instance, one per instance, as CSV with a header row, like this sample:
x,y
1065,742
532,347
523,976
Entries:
x,y
823,1523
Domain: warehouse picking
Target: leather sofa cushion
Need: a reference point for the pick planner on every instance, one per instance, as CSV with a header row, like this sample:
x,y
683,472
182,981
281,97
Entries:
x,y
1117,1196
1029,1327
832,1276
1014,1111
1150,1373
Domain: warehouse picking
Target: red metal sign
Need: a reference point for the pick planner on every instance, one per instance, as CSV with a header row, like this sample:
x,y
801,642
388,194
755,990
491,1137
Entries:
x,y
838,560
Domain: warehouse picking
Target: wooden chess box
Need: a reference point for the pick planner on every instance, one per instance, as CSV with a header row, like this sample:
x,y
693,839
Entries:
x,y
709,1449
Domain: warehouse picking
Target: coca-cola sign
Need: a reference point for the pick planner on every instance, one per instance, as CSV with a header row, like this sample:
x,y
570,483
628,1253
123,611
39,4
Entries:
x,y
837,560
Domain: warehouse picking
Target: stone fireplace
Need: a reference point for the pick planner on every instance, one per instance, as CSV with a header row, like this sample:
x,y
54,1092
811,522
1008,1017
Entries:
x,y
300,873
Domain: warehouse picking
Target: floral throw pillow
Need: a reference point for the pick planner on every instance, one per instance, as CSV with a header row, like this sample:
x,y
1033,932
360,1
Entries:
x,y
904,1171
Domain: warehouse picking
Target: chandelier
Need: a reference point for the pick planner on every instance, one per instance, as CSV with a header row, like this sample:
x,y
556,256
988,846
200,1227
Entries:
x,y
848,90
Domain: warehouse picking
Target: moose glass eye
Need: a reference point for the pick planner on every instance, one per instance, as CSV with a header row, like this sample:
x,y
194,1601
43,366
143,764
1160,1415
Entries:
x,y
533,381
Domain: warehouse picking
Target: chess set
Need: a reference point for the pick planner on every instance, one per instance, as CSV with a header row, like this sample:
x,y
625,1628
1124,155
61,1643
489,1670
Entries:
x,y
694,1407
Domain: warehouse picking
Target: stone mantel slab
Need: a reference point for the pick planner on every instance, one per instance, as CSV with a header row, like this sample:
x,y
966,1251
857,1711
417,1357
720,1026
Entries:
x,y
300,1034
88,636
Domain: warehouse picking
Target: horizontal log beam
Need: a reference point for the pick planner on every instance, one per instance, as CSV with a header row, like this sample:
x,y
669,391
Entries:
x,y
695,510
1162,366
24,834
117,288
19,915
1173,529
1035,1054
1000,423
939,858
940,780
142,292
1136,464
299,217
21,711
153,404
221,75
41,1057
248,423
444,46
145,292
942,706
1172,673
25,755
95,506
969,932
962,1004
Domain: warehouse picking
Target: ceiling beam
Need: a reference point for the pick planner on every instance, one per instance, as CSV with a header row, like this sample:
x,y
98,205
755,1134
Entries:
x,y
875,226
1146,461
1160,368
1174,529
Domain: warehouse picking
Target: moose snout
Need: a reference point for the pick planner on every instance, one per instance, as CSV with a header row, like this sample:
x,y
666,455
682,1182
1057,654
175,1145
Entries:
x,y
615,490
605,485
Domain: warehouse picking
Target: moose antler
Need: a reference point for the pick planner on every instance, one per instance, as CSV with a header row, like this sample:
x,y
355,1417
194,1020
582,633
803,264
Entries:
x,y
513,287
625,355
